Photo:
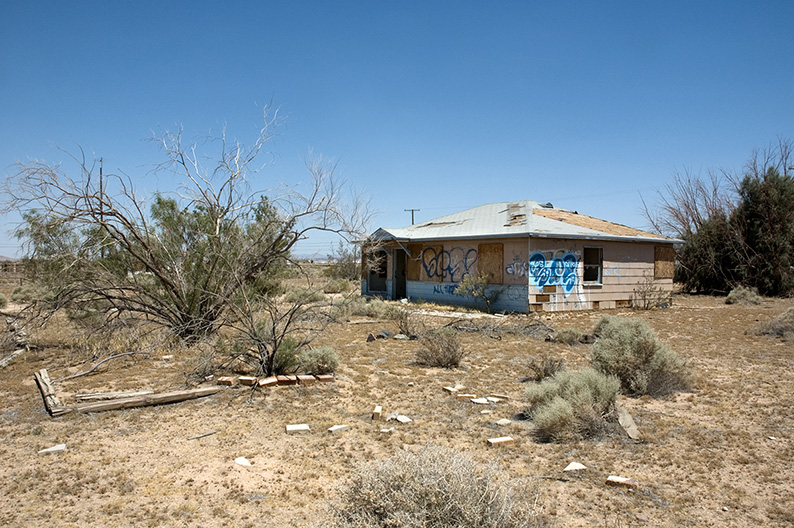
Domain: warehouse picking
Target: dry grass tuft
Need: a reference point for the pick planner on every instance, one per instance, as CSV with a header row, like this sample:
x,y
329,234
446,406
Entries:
x,y
780,326
440,348
742,295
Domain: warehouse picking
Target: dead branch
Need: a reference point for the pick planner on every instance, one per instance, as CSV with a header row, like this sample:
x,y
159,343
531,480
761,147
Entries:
x,y
92,369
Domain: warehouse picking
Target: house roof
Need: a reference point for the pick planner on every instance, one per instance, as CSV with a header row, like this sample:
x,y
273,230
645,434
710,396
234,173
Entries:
x,y
518,219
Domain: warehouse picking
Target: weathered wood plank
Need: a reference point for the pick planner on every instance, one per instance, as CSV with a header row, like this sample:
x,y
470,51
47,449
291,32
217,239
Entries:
x,y
51,402
137,401
11,357
98,396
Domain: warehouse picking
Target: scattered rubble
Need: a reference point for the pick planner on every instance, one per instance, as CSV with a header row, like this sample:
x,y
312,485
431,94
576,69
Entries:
x,y
58,448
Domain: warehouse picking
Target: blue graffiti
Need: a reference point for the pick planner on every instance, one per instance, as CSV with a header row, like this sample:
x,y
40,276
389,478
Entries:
x,y
453,264
559,271
448,289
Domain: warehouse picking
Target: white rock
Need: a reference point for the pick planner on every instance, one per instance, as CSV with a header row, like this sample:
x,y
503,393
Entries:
x,y
338,428
389,430
403,419
493,399
575,466
486,411
297,428
480,401
504,421
242,461
58,448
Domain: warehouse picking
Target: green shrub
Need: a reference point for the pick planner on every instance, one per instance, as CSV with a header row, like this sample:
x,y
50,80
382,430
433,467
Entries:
x,y
318,360
303,295
441,348
3,301
542,367
780,326
742,295
338,286
629,349
573,404
286,359
375,308
435,487
568,336
28,293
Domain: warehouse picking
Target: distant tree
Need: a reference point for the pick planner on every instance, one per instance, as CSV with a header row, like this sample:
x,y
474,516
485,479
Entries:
x,y
345,262
193,261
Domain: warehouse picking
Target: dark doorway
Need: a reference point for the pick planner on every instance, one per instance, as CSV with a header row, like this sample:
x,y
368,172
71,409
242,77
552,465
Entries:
x,y
399,291
376,280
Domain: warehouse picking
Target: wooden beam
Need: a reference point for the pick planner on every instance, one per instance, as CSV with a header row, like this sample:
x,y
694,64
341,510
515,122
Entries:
x,y
98,396
51,402
136,401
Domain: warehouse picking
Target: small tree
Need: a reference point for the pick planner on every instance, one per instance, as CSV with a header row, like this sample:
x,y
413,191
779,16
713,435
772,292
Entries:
x,y
193,261
477,287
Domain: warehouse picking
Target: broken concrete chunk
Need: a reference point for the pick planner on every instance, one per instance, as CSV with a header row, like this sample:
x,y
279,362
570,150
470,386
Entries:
x,y
401,337
403,419
499,396
392,416
58,448
338,428
248,380
377,414
501,441
480,401
575,466
305,379
389,430
227,380
451,390
614,480
503,422
298,428
385,334
467,396
486,411
493,399
242,461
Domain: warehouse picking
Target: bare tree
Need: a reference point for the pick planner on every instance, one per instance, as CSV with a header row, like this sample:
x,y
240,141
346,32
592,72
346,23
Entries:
x,y
185,260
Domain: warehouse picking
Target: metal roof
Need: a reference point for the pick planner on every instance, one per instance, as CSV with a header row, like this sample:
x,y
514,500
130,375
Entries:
x,y
518,219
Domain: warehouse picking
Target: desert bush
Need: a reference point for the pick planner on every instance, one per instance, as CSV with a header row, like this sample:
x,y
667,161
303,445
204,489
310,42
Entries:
x,y
286,359
629,349
318,360
780,326
477,287
647,295
409,324
29,293
573,404
568,336
438,487
542,367
303,295
440,348
742,295
3,301
338,286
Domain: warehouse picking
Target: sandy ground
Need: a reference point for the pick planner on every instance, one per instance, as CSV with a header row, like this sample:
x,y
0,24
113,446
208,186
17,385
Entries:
x,y
720,455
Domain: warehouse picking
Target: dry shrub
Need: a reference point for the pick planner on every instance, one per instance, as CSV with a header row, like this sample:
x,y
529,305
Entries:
x,y
568,336
573,404
3,301
629,349
441,348
438,487
542,367
374,308
304,295
286,360
780,326
648,295
742,295
409,324
338,286
318,360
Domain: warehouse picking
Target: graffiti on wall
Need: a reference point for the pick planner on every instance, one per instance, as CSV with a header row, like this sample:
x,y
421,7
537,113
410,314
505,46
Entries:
x,y
518,268
560,270
450,265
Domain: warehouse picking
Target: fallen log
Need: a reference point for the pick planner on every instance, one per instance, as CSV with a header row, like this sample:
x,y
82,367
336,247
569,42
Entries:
x,y
136,401
51,402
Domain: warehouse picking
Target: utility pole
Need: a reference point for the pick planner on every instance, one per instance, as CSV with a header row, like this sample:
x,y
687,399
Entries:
x,y
412,214
101,206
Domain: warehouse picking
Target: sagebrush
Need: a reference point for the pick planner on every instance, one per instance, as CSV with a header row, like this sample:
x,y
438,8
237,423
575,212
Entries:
x,y
440,348
542,367
780,326
568,336
573,404
435,487
742,295
629,349
318,360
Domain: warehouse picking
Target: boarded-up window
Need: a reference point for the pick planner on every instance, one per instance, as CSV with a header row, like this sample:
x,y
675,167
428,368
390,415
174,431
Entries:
x,y
663,262
489,262
432,263
413,265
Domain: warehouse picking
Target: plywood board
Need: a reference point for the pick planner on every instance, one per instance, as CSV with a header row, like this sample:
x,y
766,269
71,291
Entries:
x,y
592,223
413,263
663,262
489,261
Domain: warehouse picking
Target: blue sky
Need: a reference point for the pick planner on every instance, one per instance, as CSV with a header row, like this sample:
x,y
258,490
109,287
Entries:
x,y
437,106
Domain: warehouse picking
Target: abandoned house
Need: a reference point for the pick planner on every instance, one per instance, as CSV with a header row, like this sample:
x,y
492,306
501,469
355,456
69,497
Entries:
x,y
536,258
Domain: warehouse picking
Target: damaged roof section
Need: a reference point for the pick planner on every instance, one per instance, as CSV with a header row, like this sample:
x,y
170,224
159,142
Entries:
x,y
517,219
